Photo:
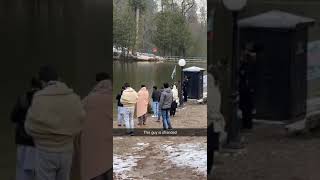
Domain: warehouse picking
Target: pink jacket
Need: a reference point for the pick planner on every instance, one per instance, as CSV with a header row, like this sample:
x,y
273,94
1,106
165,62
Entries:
x,y
95,152
142,103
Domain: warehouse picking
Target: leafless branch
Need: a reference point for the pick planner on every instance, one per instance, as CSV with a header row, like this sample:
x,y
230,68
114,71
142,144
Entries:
x,y
190,6
186,6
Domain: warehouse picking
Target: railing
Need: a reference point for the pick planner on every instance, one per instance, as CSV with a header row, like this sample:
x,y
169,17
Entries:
x,y
188,59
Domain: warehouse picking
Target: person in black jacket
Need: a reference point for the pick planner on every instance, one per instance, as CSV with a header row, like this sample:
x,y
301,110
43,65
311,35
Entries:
x,y
185,88
159,110
155,102
120,108
246,88
25,144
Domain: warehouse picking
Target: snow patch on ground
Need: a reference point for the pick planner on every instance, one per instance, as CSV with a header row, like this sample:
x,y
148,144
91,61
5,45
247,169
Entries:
x,y
117,138
140,146
188,155
122,165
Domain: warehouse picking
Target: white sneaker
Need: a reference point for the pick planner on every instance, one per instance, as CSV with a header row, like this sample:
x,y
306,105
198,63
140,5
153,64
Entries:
x,y
153,116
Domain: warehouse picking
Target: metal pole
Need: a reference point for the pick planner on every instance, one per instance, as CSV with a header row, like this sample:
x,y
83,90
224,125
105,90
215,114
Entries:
x,y
234,127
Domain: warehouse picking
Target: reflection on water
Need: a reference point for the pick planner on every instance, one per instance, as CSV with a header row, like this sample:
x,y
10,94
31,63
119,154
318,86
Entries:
x,y
146,73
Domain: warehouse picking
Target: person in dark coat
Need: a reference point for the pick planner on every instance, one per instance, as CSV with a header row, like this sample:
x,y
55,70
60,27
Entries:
x,y
25,145
155,102
120,108
246,89
159,110
180,95
165,106
213,145
185,88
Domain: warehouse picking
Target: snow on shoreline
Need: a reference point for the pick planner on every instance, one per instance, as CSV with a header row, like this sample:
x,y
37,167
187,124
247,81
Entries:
x,y
193,155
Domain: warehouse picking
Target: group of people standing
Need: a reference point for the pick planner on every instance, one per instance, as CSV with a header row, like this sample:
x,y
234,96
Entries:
x,y
130,103
57,132
156,98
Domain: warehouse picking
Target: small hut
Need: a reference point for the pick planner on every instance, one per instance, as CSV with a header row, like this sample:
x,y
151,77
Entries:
x,y
281,63
195,75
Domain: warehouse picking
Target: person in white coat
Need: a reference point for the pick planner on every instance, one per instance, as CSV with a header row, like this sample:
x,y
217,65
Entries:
x,y
216,132
175,102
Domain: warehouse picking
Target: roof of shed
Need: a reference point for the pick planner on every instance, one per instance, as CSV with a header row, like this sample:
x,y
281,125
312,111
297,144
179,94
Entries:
x,y
193,69
275,19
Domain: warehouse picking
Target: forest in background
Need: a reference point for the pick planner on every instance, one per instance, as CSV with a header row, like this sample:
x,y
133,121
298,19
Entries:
x,y
174,27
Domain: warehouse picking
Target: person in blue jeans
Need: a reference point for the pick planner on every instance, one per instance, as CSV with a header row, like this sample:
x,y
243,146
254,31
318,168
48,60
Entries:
x,y
120,108
155,101
159,109
166,99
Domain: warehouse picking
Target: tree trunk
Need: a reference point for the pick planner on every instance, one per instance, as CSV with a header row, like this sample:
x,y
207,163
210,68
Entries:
x,y
137,27
163,53
122,49
161,6
172,5
184,52
127,52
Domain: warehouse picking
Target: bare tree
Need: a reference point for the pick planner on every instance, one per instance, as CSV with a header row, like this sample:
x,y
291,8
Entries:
x,y
138,6
186,5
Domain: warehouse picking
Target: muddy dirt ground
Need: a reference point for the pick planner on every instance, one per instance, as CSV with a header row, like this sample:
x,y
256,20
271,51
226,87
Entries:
x,y
158,158
164,157
271,154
